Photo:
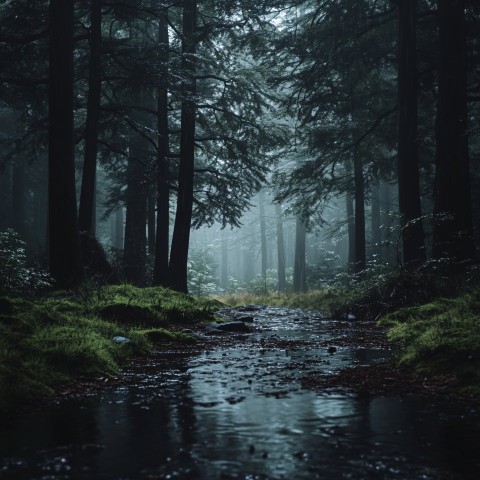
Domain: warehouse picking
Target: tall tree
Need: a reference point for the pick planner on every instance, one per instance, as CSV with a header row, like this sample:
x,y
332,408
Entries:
x,y
181,233
160,271
86,213
64,247
136,215
299,267
282,283
453,235
263,234
408,167
360,258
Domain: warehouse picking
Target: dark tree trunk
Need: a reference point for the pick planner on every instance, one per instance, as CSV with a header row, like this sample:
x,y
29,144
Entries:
x,y
181,233
359,261
388,253
136,218
18,199
160,271
263,235
282,283
376,232
299,267
86,214
151,222
453,236
6,197
224,253
408,168
64,247
119,229
351,229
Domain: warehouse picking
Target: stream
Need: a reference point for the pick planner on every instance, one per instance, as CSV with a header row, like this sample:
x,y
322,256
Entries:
x,y
238,410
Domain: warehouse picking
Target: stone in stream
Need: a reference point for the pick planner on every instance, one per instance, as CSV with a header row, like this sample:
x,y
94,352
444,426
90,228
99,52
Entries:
x,y
230,327
250,308
244,318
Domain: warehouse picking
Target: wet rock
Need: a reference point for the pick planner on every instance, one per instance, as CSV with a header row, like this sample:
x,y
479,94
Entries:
x,y
120,339
236,327
212,329
228,327
250,308
244,318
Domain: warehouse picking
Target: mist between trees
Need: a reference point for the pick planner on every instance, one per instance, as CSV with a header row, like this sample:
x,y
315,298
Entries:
x,y
224,146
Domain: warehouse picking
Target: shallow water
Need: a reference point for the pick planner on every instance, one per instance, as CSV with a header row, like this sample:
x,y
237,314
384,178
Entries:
x,y
239,412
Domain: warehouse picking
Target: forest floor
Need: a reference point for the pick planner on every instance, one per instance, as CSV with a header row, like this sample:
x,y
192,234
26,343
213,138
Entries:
x,y
384,378
74,343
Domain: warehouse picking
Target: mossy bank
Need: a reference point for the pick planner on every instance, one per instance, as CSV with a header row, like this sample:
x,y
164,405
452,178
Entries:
x,y
66,336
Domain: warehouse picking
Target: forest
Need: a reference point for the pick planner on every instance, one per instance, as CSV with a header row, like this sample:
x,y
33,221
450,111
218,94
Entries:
x,y
176,175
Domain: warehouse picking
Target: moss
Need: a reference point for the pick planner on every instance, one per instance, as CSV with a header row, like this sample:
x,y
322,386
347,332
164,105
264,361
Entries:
x,y
67,335
161,335
441,338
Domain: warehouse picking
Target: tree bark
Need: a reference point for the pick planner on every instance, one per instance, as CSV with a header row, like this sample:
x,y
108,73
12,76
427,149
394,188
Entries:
x,y
375,217
18,199
136,217
151,203
453,235
64,247
224,260
119,229
360,260
407,165
263,235
350,224
86,214
181,233
160,271
299,267
282,283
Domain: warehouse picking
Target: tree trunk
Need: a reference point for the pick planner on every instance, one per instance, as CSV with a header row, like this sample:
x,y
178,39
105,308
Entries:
x,y
181,233
6,197
351,229
299,267
224,260
408,168
119,229
160,272
151,221
18,199
376,232
453,235
64,247
282,283
86,215
263,235
136,217
388,252
359,261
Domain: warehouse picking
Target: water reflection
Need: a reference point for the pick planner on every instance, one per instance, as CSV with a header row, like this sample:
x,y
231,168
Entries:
x,y
239,412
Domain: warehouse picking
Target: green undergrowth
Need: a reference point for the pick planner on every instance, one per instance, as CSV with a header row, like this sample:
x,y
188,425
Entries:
x,y
65,336
441,337
324,300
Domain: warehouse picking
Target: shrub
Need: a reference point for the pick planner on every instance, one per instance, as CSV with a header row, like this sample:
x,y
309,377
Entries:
x,y
15,275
